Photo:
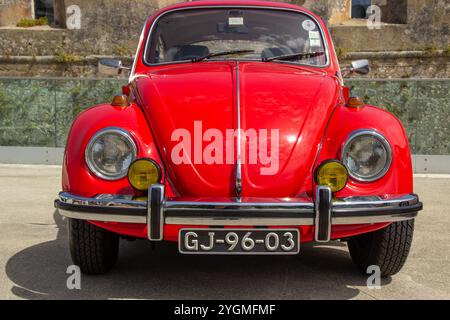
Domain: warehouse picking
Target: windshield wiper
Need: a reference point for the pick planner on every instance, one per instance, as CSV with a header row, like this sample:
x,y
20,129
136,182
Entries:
x,y
297,56
222,53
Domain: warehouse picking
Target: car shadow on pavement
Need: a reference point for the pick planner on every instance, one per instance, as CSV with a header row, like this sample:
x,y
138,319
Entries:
x,y
319,272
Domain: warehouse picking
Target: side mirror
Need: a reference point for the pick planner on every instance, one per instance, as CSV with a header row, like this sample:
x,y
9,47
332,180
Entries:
x,y
360,66
111,67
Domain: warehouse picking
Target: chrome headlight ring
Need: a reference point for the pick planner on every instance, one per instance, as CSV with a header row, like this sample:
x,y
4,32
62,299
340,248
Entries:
x,y
130,154
387,149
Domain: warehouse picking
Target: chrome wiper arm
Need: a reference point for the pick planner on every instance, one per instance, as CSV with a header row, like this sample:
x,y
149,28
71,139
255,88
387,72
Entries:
x,y
222,53
293,56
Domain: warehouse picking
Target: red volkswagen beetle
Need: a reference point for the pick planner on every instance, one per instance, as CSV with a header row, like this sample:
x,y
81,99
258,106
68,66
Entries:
x,y
236,135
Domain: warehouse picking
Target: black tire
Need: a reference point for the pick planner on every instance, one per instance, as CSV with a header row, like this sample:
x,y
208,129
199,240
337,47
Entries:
x,y
93,249
387,248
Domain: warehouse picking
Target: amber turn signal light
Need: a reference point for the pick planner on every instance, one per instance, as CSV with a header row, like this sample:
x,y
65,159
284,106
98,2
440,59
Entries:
x,y
142,173
120,100
355,102
332,173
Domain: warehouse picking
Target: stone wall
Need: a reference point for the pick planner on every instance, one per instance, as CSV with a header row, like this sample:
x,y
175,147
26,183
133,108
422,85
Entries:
x,y
427,28
402,65
111,28
12,11
108,27
395,11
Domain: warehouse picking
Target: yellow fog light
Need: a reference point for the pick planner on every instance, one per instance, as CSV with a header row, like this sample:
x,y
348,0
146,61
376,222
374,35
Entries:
x,y
332,173
142,173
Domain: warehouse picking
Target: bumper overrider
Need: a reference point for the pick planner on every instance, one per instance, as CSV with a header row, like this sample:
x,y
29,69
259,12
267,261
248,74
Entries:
x,y
159,210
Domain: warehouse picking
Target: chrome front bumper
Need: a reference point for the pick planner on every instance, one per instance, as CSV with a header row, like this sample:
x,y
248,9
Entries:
x,y
159,210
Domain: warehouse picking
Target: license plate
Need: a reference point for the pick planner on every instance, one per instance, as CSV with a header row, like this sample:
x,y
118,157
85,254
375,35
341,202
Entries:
x,y
239,241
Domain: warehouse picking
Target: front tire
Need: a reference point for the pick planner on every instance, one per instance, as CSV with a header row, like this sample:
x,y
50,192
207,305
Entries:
x,y
387,248
93,249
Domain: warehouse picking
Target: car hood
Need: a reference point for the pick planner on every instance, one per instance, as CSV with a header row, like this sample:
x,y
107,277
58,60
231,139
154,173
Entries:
x,y
282,111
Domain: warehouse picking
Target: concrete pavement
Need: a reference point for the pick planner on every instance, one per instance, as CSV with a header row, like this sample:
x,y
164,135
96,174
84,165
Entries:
x,y
34,257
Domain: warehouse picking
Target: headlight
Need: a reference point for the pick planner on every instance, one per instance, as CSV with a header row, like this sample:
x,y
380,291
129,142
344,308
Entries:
x,y
367,155
110,152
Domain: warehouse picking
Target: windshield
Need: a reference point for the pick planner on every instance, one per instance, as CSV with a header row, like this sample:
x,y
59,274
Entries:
x,y
247,34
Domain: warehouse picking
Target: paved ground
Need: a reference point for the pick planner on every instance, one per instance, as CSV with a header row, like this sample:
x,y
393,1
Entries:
x,y
34,257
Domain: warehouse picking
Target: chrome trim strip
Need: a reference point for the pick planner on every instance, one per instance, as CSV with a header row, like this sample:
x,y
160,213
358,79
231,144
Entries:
x,y
155,219
207,221
373,218
368,202
383,141
212,6
339,205
125,134
149,214
257,222
350,210
103,217
235,222
241,206
136,56
323,211
238,183
103,200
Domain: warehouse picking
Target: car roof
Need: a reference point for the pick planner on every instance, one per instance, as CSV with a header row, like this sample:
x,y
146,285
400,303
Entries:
x,y
252,3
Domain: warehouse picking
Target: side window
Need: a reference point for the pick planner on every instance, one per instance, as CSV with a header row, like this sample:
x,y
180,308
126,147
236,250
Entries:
x,y
359,8
30,13
44,8
52,10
